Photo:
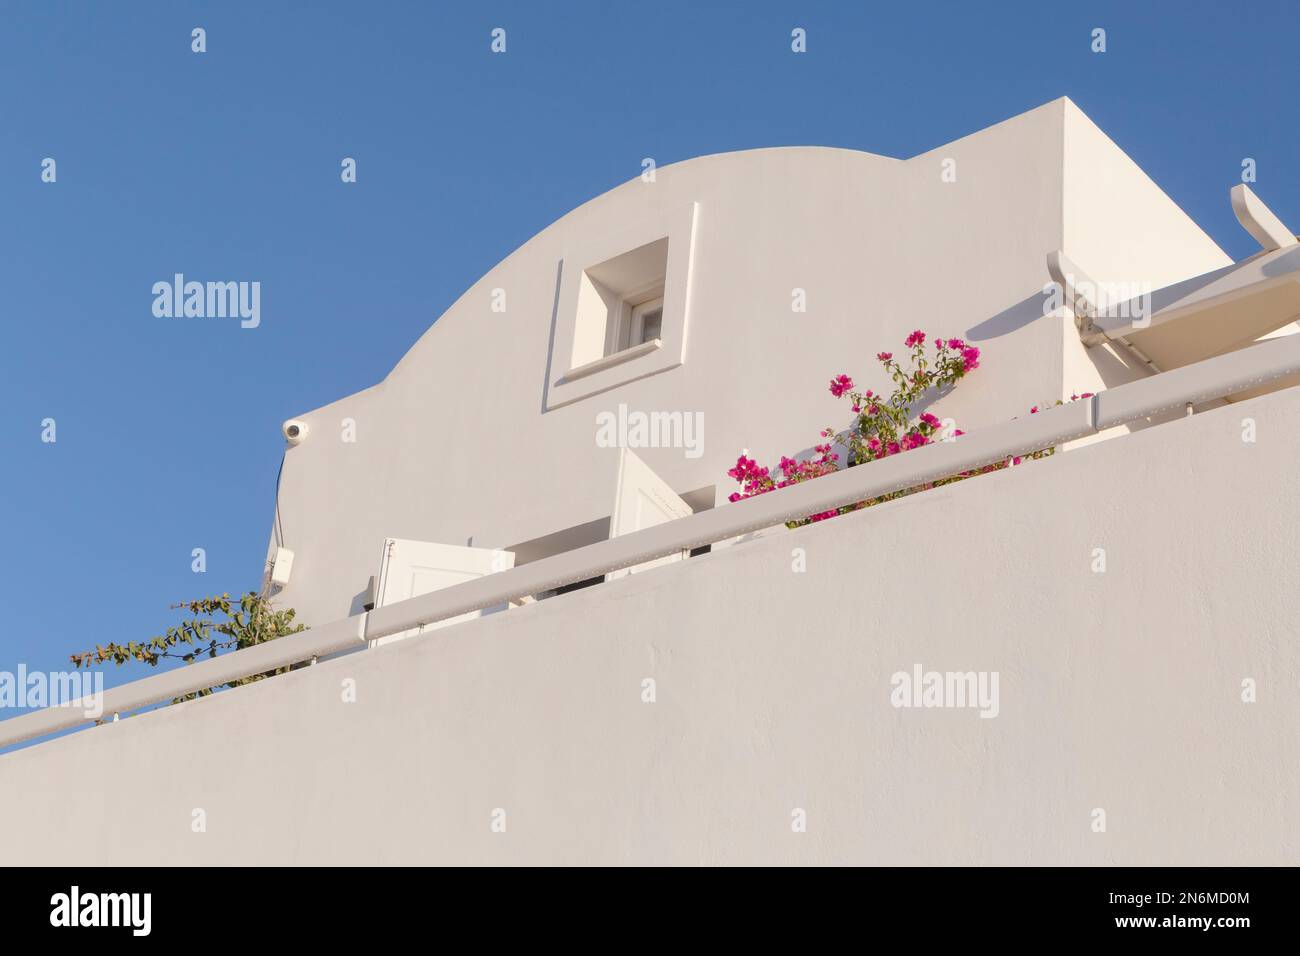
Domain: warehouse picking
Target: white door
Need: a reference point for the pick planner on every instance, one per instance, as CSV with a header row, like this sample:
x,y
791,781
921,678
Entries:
x,y
412,568
642,500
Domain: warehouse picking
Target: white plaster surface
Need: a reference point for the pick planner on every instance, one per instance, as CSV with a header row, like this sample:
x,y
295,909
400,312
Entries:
x,y
1119,691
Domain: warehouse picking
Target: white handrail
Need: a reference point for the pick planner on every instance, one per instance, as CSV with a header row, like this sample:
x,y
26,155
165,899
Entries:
x,y
1213,378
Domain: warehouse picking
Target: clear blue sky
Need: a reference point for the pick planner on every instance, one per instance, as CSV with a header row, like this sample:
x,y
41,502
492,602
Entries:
x,y
225,165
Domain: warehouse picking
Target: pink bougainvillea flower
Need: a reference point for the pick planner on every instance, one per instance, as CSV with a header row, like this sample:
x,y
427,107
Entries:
x,y
747,470
743,465
880,427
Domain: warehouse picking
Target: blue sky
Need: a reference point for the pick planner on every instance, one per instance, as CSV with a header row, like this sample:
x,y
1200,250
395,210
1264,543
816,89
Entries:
x,y
225,165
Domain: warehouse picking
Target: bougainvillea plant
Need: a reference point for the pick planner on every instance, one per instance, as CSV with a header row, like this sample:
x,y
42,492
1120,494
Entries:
x,y
882,425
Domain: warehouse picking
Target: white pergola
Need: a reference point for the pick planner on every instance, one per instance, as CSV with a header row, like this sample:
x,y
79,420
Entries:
x,y
1201,317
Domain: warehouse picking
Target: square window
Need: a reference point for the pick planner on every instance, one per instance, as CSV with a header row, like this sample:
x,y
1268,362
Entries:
x,y
622,306
612,303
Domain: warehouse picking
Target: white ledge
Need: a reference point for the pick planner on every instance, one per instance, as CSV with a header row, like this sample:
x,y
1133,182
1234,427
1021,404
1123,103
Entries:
x,y
609,361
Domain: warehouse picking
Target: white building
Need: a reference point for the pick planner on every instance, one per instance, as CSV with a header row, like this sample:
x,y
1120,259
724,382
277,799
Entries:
x,y
1130,594
485,433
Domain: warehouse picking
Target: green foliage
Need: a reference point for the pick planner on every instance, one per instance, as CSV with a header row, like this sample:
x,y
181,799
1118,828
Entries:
x,y
217,624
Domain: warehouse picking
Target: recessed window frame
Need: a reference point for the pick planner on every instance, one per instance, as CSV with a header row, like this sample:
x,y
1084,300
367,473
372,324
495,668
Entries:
x,y
569,382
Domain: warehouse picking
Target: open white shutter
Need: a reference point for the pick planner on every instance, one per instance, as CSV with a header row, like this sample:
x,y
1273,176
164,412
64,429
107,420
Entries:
x,y
642,500
412,568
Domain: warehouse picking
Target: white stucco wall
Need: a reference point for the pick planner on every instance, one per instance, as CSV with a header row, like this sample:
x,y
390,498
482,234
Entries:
x,y
454,446
1119,225
1118,690
1119,228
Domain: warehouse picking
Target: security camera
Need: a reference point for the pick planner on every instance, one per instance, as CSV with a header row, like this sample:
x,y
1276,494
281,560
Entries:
x,y
295,430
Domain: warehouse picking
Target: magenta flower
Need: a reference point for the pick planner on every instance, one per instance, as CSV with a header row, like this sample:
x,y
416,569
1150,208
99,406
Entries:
x,y
747,470
875,433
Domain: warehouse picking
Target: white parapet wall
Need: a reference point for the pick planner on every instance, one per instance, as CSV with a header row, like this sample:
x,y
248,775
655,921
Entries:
x,y
1119,698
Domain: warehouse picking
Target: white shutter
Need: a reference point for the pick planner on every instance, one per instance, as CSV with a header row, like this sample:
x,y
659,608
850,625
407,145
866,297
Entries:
x,y
412,568
642,500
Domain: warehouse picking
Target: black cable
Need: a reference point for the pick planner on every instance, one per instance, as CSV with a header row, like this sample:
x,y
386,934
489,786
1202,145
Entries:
x,y
279,522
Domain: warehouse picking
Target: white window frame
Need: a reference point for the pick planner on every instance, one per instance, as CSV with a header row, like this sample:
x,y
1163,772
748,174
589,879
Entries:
x,y
626,329
636,320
